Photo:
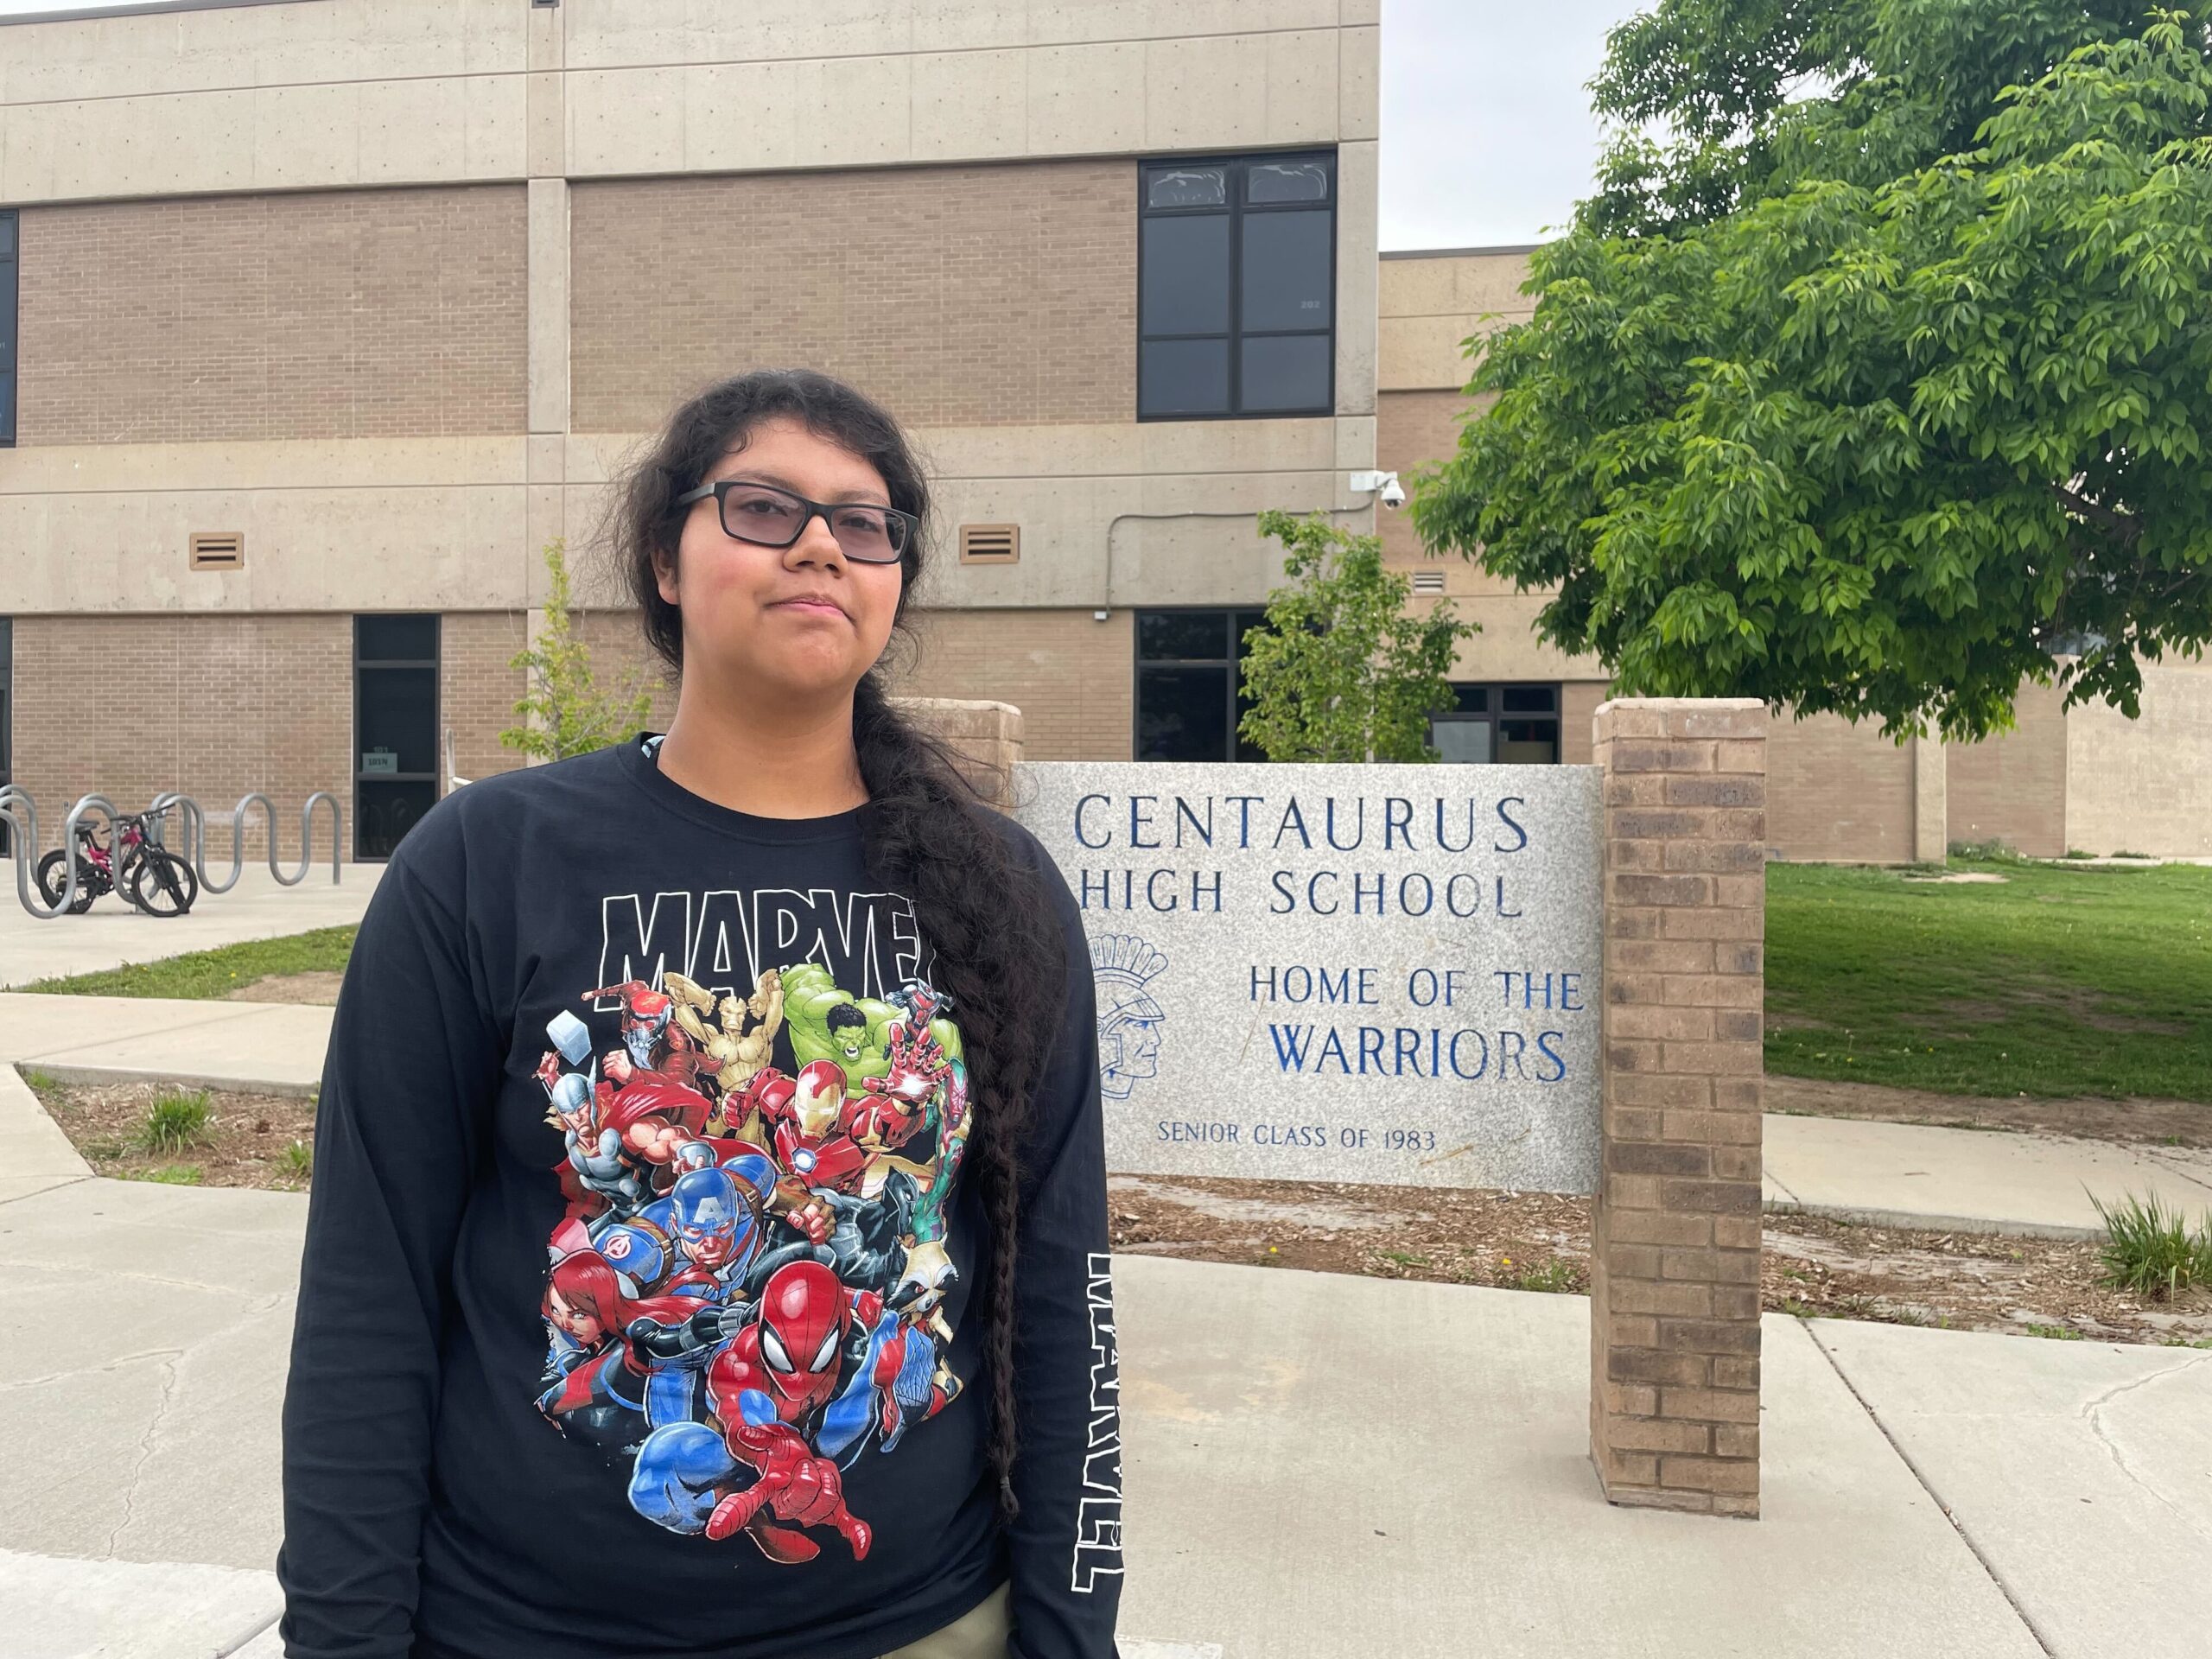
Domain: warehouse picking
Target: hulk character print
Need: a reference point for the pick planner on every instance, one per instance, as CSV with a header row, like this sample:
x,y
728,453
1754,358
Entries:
x,y
748,1287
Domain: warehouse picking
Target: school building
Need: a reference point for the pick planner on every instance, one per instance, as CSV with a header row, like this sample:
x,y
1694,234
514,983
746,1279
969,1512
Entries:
x,y
320,319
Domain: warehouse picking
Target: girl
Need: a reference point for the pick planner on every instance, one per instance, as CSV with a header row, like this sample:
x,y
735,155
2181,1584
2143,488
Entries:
x,y
824,1365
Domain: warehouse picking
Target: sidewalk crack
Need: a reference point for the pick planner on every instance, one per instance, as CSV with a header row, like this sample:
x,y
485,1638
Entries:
x,y
2093,1414
2196,1176
1966,1538
169,1367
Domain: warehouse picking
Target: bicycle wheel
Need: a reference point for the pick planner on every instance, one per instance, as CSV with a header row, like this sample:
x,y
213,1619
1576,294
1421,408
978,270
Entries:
x,y
162,884
53,870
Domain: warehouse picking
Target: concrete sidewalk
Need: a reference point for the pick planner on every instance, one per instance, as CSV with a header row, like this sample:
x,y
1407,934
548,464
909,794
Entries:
x,y
111,933
269,1047
1972,1181
1315,1465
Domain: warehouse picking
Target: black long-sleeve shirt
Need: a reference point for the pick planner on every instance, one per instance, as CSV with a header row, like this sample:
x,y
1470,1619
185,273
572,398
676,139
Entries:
x,y
636,1312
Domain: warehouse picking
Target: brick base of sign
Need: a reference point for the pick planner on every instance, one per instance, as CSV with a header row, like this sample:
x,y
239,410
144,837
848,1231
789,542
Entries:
x,y
985,738
1674,1257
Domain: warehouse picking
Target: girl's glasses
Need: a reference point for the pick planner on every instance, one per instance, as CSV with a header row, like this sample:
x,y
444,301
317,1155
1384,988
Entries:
x,y
775,517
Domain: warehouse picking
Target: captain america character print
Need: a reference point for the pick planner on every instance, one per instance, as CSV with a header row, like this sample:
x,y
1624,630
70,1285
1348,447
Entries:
x,y
745,1294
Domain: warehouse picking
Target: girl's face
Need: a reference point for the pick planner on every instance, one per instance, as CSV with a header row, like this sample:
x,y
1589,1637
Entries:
x,y
802,622
579,1324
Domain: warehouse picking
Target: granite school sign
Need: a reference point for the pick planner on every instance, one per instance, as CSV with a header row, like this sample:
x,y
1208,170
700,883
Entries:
x,y
1533,976
1344,972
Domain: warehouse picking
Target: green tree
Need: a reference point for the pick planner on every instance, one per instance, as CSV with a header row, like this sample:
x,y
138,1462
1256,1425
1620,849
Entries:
x,y
1340,671
1876,374
565,711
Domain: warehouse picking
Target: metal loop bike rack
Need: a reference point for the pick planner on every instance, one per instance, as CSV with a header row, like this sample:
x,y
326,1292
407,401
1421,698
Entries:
x,y
194,821
21,811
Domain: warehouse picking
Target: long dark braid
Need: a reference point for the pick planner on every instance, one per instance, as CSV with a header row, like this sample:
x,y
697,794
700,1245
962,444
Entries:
x,y
999,953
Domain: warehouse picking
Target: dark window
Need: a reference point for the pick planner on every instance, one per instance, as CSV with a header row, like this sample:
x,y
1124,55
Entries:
x,y
1236,288
7,715
1189,694
1504,724
11,260
395,728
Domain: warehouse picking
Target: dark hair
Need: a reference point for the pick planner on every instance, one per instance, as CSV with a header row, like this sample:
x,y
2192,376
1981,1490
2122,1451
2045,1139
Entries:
x,y
999,958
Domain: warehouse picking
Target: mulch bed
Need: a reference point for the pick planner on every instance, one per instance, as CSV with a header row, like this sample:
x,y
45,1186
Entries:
x,y
1518,1241
1540,1240
244,1144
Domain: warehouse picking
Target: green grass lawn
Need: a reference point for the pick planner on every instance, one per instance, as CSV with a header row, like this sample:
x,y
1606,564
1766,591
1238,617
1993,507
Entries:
x,y
213,973
2085,981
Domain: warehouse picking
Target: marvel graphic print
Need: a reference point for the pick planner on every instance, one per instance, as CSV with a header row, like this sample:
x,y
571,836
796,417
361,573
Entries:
x,y
746,1291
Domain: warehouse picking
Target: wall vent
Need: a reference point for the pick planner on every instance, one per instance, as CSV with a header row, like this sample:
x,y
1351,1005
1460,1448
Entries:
x,y
990,543
1428,581
219,549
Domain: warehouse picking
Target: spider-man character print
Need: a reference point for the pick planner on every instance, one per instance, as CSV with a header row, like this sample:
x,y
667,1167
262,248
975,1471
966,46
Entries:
x,y
746,1292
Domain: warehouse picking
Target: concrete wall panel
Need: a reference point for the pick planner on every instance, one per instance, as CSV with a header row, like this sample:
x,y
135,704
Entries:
x,y
1429,305
605,34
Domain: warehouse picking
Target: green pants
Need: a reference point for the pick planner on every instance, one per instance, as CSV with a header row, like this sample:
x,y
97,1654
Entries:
x,y
979,1633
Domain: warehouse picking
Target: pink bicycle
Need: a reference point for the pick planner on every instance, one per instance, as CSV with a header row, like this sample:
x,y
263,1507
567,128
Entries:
x,y
153,878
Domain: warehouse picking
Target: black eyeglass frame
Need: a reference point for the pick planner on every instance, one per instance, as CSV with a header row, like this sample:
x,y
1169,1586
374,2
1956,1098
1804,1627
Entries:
x,y
719,489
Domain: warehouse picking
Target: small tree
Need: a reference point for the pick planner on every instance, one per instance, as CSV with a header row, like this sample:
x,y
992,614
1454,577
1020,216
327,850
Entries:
x,y
566,712
1341,670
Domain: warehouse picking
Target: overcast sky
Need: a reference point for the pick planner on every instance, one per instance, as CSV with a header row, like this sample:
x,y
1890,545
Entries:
x,y
1487,136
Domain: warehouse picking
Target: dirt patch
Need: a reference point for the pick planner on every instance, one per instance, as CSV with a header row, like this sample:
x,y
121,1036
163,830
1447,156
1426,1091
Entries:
x,y
1540,1240
2134,1119
2082,1006
319,987
244,1141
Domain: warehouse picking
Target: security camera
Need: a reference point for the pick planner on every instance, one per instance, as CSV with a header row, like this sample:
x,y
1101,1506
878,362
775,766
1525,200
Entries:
x,y
1385,486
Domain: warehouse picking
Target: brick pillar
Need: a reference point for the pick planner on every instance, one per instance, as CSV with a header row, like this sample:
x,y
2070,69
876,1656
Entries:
x,y
1674,1256
985,740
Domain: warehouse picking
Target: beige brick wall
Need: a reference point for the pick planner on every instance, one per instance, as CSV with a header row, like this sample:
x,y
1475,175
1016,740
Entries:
x,y
620,657
214,706
1411,430
2145,785
2012,787
322,314
957,295
477,690
1072,677
1578,703
1836,791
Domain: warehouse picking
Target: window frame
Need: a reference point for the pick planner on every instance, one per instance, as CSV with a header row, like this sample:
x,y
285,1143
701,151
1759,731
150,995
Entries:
x,y
11,336
1235,168
1496,715
1139,662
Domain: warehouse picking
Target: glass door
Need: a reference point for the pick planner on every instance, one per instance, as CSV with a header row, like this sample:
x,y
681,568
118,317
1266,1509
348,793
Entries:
x,y
395,728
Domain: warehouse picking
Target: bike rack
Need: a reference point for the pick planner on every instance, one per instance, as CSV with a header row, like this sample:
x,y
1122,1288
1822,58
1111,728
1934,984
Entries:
x,y
21,811
14,797
194,821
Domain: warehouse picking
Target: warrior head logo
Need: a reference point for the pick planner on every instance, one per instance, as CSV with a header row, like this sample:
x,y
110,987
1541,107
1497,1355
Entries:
x,y
1129,1019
